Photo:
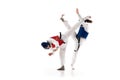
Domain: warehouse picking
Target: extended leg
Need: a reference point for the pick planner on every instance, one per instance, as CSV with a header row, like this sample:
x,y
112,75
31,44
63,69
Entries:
x,y
72,30
65,22
77,45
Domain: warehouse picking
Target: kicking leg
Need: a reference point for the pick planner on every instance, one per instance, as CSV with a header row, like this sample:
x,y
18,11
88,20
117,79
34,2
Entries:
x,y
72,30
75,40
65,22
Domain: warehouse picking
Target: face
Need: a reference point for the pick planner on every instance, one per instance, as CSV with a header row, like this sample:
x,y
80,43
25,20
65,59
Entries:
x,y
87,19
48,47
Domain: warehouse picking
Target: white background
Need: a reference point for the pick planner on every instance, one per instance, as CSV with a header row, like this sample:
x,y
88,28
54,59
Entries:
x,y
24,24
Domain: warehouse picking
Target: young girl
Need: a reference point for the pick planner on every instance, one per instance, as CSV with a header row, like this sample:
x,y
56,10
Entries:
x,y
80,36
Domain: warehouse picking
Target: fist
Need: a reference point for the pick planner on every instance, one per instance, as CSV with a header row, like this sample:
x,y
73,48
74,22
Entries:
x,y
77,11
50,54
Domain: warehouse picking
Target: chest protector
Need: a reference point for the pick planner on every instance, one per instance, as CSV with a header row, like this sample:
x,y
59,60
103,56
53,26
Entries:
x,y
58,39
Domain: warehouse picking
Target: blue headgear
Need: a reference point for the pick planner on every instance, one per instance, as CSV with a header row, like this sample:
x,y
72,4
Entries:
x,y
45,44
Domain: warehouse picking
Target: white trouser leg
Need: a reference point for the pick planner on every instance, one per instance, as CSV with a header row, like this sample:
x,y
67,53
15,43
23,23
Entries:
x,y
74,59
69,27
72,30
76,44
74,54
65,38
62,53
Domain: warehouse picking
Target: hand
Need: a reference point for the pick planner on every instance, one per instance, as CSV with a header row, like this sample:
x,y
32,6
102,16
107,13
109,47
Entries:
x,y
89,16
62,15
77,11
50,54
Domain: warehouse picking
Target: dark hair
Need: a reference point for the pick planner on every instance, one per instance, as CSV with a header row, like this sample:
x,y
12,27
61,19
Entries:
x,y
88,21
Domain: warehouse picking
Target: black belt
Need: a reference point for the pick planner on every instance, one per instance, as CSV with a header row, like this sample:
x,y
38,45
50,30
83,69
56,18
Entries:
x,y
78,45
61,37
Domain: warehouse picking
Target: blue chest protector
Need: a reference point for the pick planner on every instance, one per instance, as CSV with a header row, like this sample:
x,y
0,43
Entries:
x,y
82,33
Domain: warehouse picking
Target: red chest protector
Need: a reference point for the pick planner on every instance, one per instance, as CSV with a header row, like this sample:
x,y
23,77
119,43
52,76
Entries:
x,y
57,38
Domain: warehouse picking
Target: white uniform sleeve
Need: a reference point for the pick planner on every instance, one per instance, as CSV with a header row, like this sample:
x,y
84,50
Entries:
x,y
55,43
80,18
85,27
87,17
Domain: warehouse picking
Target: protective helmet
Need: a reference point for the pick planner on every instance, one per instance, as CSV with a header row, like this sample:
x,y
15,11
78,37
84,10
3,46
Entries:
x,y
45,45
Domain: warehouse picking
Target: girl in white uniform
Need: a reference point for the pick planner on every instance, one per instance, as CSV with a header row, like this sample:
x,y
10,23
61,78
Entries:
x,y
80,36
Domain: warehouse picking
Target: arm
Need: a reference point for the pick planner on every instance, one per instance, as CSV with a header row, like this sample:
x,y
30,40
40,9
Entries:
x,y
85,26
77,11
51,53
54,46
87,17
